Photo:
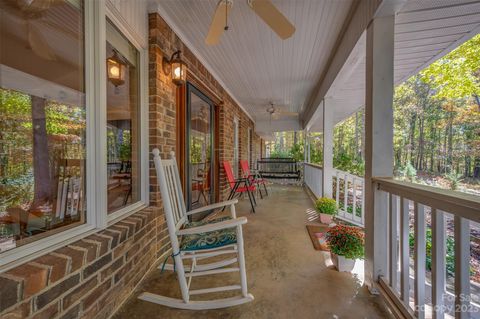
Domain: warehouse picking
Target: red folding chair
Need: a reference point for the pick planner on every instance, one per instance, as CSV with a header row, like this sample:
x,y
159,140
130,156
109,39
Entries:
x,y
255,179
239,185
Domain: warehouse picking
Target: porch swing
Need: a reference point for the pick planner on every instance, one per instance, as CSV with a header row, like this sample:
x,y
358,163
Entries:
x,y
197,242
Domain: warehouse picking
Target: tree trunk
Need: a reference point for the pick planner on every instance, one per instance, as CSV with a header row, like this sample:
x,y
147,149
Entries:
x,y
41,167
421,143
476,170
412,138
450,143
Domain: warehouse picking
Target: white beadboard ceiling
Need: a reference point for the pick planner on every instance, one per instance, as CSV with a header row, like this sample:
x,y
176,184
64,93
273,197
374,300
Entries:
x,y
254,64
424,31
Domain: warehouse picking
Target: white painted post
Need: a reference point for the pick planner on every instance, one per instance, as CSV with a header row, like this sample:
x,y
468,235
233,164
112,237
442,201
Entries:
x,y
420,259
393,242
305,146
462,268
327,148
438,263
378,143
308,149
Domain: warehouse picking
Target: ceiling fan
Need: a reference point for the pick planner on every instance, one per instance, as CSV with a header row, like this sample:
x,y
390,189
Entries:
x,y
263,8
276,113
32,11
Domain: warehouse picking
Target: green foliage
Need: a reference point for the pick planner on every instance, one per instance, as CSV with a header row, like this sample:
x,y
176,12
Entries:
x,y
65,126
454,179
297,152
280,154
408,172
345,162
326,205
347,241
15,190
125,148
450,251
456,74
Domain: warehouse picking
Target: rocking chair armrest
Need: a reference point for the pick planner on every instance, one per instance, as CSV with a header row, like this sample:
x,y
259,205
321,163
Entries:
x,y
211,227
212,206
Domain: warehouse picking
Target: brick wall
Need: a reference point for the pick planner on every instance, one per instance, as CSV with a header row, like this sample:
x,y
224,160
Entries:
x,y
164,40
92,277
88,278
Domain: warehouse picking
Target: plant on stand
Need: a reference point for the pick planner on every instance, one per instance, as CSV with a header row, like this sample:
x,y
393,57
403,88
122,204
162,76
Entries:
x,y
327,208
346,245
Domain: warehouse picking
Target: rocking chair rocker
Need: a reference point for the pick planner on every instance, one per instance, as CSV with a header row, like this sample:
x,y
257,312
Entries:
x,y
197,242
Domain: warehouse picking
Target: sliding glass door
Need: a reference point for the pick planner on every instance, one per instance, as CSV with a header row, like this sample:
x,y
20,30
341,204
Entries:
x,y
199,152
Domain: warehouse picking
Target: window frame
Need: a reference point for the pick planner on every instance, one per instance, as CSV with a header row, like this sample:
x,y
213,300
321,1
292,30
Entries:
x,y
96,217
236,146
19,255
103,218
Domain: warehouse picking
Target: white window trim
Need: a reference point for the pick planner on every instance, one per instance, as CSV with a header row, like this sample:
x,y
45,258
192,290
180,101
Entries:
x,y
95,14
104,219
19,255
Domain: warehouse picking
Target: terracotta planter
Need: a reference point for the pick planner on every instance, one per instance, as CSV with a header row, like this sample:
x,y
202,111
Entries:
x,y
342,263
326,218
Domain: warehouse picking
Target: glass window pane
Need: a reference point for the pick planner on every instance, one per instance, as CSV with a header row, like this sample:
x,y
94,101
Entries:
x,y
42,119
122,121
200,149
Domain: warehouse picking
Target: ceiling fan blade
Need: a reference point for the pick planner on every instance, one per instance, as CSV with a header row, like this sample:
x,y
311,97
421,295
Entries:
x,y
288,113
273,17
39,44
218,22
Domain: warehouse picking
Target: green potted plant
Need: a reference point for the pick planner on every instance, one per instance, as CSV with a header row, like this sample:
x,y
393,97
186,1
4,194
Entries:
x,y
346,245
327,208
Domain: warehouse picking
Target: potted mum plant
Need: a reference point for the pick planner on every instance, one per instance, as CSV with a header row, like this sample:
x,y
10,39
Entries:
x,y
327,208
346,245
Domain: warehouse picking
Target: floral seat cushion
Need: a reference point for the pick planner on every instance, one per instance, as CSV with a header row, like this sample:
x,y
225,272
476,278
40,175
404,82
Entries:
x,y
208,240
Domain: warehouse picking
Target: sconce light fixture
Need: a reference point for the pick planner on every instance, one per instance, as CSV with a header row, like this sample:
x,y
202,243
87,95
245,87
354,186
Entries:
x,y
176,67
116,69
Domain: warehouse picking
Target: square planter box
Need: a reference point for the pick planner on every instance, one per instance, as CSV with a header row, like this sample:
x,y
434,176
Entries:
x,y
341,263
326,218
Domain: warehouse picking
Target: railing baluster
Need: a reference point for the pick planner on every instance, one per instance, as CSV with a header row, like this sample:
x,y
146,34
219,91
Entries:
x,y
363,201
438,263
404,250
345,193
420,256
354,203
393,279
462,267
337,191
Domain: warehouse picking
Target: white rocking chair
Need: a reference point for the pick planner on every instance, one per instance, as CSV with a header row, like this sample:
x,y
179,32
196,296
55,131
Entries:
x,y
198,241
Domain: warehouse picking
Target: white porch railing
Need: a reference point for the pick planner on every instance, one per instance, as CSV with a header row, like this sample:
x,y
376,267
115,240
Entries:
x,y
436,219
312,176
348,191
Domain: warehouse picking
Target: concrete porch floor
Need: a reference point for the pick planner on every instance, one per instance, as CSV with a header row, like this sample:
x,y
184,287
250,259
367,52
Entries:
x,y
288,278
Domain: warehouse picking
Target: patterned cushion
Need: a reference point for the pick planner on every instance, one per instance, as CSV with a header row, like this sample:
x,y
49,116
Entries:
x,y
208,240
205,222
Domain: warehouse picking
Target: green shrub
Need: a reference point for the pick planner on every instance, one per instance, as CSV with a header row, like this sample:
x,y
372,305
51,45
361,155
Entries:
x,y
454,180
326,205
347,241
450,254
408,172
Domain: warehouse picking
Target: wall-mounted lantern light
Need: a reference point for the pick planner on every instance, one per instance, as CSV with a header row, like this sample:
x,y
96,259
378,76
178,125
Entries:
x,y
116,69
176,67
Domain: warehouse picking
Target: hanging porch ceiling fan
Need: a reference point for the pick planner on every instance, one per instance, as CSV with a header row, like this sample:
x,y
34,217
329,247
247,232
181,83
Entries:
x,y
32,12
265,9
275,112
